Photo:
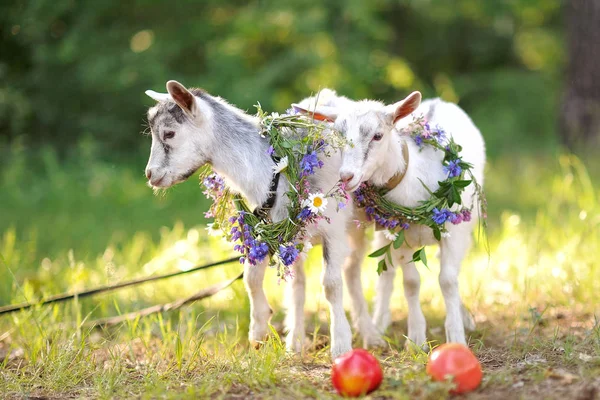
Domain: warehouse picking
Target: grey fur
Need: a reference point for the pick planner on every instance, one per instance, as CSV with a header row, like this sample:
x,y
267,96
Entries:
x,y
326,255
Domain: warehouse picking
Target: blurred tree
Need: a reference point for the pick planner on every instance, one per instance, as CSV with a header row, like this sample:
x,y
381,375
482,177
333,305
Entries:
x,y
580,114
71,69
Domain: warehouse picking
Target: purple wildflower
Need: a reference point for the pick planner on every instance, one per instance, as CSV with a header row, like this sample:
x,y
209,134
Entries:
x,y
288,254
439,134
258,251
320,145
405,225
304,214
466,215
418,140
214,186
291,111
271,151
439,217
456,218
453,169
235,233
309,162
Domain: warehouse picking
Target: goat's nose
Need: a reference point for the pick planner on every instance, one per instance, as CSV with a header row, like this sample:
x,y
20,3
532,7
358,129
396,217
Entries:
x,y
346,176
148,173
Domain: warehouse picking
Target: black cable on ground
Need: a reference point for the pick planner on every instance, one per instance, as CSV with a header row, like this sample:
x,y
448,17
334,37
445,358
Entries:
x,y
63,297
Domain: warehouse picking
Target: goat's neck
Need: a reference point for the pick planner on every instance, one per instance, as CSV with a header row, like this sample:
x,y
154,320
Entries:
x,y
392,161
241,157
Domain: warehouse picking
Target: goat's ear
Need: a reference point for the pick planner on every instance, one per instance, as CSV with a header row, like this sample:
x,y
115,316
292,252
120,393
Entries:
x,y
158,96
321,113
405,107
183,97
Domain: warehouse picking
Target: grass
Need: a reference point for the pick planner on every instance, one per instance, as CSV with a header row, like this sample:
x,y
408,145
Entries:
x,y
81,222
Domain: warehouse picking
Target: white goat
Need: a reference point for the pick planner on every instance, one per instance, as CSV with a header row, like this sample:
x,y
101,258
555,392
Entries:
x,y
376,155
191,128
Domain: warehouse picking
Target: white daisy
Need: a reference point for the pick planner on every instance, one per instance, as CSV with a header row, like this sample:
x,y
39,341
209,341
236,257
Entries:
x,y
307,246
446,234
281,165
316,202
389,235
212,231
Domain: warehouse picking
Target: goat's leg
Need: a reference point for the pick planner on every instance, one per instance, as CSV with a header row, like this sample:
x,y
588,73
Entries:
x,y
411,280
383,290
452,252
295,298
260,312
334,253
467,318
352,274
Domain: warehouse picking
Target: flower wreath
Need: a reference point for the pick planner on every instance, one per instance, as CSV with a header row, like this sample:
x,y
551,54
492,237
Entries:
x,y
297,154
435,211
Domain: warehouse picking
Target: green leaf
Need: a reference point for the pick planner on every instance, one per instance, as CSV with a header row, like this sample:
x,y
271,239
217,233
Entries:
x,y
425,186
419,255
462,183
436,233
379,252
453,197
399,240
381,266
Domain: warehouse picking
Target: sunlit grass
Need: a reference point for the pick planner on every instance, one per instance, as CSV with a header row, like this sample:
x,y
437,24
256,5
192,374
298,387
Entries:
x,y
534,293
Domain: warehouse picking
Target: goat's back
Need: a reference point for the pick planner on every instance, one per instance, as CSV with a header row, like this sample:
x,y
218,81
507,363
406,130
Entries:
x,y
456,123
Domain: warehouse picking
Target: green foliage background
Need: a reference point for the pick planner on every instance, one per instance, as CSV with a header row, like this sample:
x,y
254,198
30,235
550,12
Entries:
x,y
71,69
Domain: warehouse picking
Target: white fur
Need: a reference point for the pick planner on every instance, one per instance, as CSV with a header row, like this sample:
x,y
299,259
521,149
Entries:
x,y
359,122
243,163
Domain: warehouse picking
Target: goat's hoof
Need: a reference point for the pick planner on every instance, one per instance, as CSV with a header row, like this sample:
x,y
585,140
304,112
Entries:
x,y
456,337
257,340
373,341
382,322
294,343
468,320
413,347
338,350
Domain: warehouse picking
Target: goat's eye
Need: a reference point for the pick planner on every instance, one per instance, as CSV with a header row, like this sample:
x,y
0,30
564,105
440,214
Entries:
x,y
168,135
378,137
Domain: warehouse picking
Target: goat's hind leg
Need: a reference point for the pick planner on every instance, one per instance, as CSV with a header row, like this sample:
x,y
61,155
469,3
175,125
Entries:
x,y
411,280
417,326
383,290
453,250
260,311
352,273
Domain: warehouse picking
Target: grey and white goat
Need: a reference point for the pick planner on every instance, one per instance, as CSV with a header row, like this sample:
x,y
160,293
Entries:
x,y
191,128
379,153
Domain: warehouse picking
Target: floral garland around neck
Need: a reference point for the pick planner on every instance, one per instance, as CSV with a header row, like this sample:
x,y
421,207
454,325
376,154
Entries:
x,y
296,142
434,212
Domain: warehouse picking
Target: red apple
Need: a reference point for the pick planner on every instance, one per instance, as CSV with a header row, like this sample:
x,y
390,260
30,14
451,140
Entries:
x,y
458,362
356,373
